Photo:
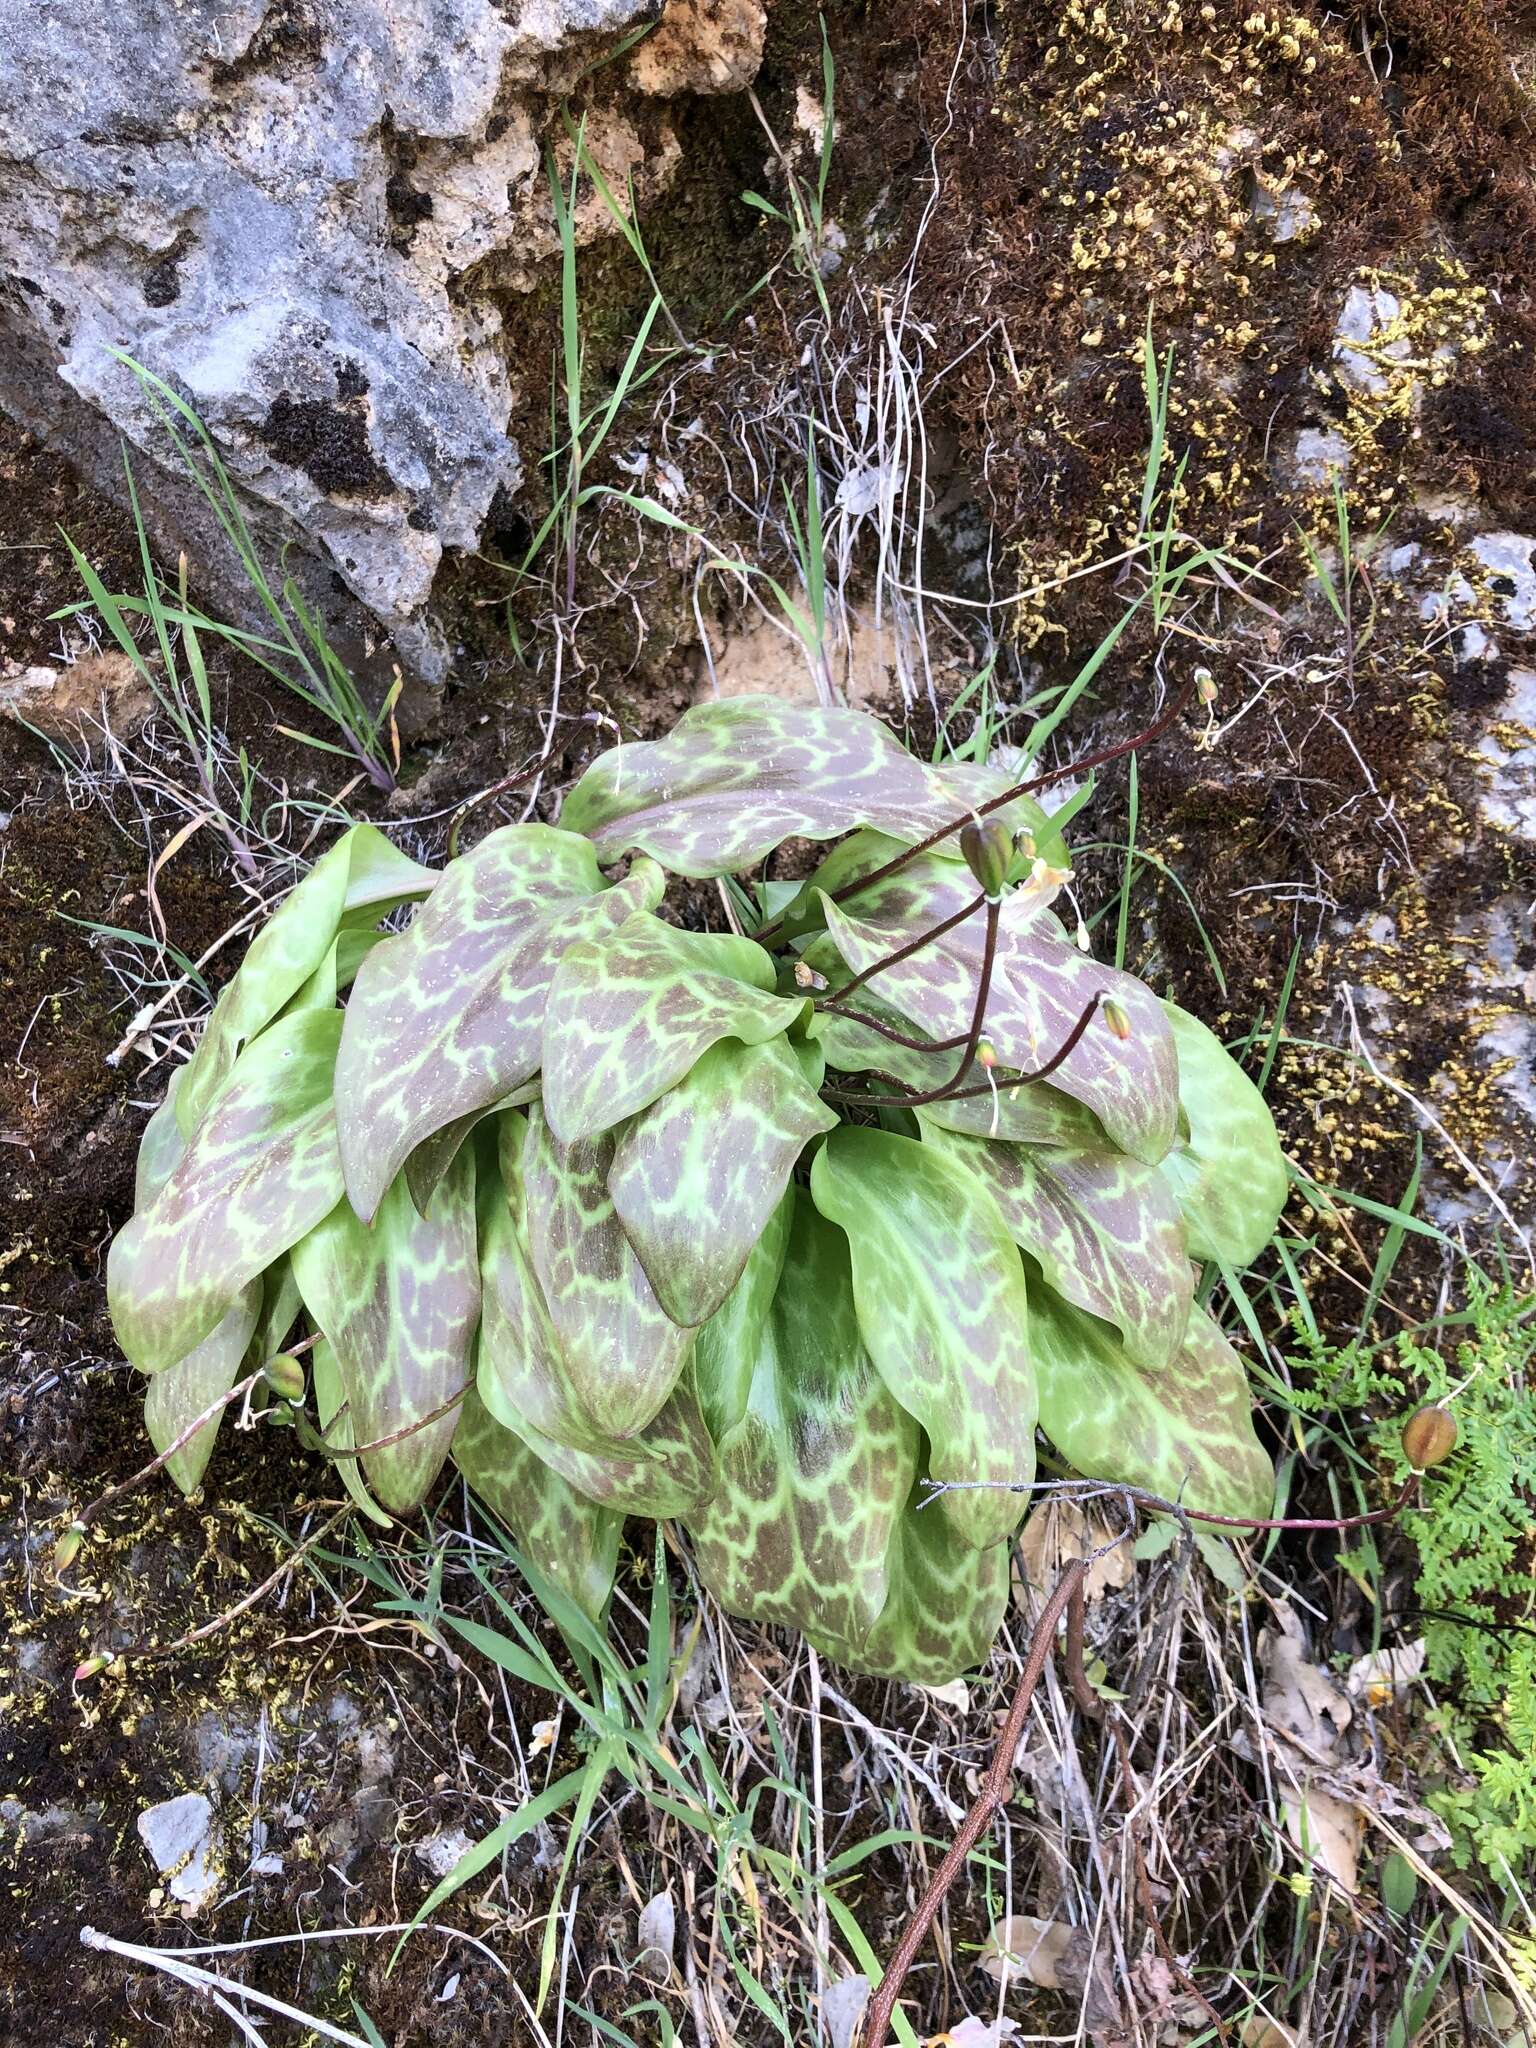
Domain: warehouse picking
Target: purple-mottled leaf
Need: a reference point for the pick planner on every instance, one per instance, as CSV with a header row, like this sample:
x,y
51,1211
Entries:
x,y
628,1017
945,1599
1041,983
817,1469
695,1177
361,874
725,1348
1104,1229
525,1382
573,1541
734,779
399,1303
944,1313
1227,1172
1186,1435
177,1396
261,1170
445,1017
622,1351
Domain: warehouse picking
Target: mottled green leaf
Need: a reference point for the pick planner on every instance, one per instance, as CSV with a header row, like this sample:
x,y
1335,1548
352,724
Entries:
x,y
432,1158
177,1396
622,1351
734,779
399,1303
1038,1114
337,1431
1186,1435
573,1540
945,1600
362,872
816,1473
445,1018
944,1313
261,1170
695,1177
1041,984
338,970
725,1348
1227,1170
628,1017
524,1379
160,1147
266,1311
1104,1229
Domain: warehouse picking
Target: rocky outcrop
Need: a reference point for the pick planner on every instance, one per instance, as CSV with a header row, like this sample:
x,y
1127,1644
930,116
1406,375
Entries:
x,y
279,207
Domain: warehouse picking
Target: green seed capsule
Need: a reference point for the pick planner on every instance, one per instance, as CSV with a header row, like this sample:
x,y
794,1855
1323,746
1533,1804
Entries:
x,y
1429,1437
1116,1019
285,1376
988,849
67,1549
92,1667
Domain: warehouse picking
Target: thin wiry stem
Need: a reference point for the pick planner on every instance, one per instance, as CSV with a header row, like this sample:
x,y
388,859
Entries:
x,y
903,952
953,1094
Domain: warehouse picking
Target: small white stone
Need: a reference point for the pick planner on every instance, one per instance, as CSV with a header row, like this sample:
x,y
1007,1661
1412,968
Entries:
x,y
183,1841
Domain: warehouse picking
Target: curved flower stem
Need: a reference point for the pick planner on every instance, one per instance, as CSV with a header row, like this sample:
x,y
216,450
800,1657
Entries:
x,y
904,952
951,1093
900,1037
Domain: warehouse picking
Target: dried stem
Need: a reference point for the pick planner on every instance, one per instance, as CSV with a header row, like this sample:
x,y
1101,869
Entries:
x,y
1067,1596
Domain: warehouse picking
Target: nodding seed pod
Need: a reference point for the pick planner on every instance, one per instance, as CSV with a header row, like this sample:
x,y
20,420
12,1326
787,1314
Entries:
x,y
92,1667
1117,1021
285,1376
1429,1437
1205,684
986,1054
67,1549
988,849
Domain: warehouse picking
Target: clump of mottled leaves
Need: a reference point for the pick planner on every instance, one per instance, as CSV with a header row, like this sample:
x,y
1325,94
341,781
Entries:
x,y
631,1218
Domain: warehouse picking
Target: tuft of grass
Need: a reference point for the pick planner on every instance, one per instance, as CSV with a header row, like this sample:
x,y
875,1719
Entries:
x,y
296,653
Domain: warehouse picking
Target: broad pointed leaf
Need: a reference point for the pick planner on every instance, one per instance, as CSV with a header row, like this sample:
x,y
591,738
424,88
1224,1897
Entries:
x,y
361,872
432,1158
445,1017
399,1303
629,1015
1227,1171
570,1538
734,779
1041,983
1038,1114
185,1390
337,1433
160,1148
725,1348
661,1469
621,1350
695,1177
261,1171
944,1313
945,1599
1104,1229
181,1393
816,1473
1186,1435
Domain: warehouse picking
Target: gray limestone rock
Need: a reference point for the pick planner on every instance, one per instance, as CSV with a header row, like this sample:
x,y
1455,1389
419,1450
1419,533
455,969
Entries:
x,y
280,207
